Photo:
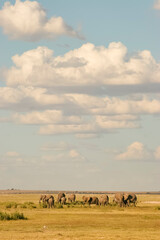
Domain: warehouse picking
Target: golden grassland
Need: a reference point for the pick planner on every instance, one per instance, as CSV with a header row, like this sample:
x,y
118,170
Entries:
x,y
80,222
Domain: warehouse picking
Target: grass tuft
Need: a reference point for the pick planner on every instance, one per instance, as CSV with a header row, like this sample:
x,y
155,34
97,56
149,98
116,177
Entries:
x,y
11,205
12,216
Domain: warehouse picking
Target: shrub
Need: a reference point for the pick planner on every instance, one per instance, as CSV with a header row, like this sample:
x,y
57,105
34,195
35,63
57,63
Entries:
x,y
12,216
16,216
23,206
28,205
11,205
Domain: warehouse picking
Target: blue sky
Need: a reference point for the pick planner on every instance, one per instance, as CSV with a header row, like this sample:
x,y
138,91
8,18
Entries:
x,y
80,95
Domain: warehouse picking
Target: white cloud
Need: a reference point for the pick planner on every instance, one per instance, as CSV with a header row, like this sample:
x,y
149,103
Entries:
x,y
12,157
114,105
88,129
157,5
65,156
136,151
86,66
46,117
65,129
87,135
105,123
28,21
157,153
29,97
60,146
12,154
75,155
43,89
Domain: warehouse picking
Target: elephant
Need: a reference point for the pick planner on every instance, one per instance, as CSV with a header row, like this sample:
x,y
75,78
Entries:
x,y
63,200
60,196
87,199
71,198
104,200
119,199
126,199
42,198
95,200
130,198
47,197
133,199
50,202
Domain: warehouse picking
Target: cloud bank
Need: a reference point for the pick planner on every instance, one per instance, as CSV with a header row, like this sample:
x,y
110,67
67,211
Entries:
x,y
88,66
28,21
55,92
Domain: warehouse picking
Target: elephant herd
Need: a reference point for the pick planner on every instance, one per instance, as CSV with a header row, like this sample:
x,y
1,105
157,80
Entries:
x,y
61,198
125,199
121,199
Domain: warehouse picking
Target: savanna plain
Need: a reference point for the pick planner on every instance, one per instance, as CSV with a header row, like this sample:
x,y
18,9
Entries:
x,y
78,221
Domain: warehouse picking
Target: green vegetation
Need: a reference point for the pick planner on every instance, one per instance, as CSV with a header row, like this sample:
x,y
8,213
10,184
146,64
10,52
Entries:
x,y
19,205
82,222
12,216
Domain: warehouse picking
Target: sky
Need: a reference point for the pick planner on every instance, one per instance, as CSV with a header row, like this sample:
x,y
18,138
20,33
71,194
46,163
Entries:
x,y
80,95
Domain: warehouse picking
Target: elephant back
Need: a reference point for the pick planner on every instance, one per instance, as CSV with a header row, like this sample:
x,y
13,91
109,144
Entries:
x,y
71,198
61,194
95,200
119,198
104,200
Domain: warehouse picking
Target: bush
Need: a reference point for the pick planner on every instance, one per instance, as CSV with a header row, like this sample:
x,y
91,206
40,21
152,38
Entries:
x,y
12,216
28,205
16,216
23,206
11,205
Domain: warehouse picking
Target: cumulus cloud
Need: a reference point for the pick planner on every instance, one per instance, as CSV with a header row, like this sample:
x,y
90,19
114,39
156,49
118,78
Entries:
x,y
157,153
83,115
29,98
157,5
88,65
47,117
87,129
87,135
65,129
136,151
105,123
43,89
75,155
72,155
12,154
114,105
60,146
12,157
28,21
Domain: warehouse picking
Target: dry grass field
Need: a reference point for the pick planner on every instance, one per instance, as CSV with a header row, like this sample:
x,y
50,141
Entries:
x,y
80,222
